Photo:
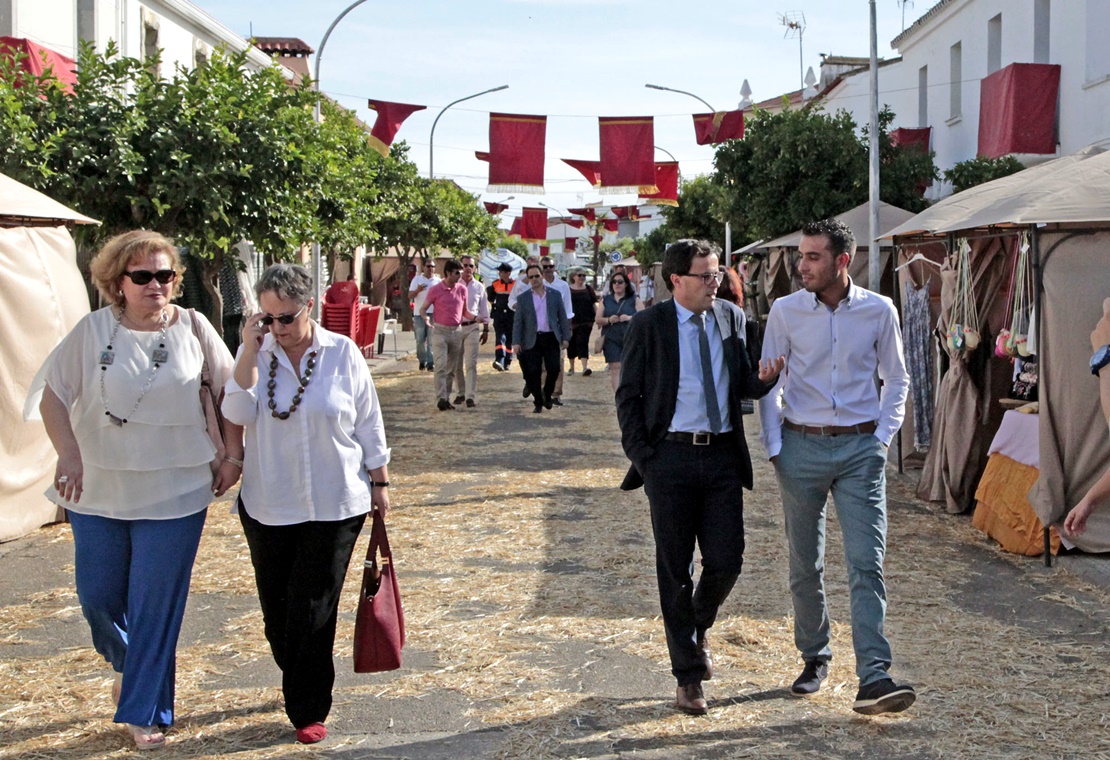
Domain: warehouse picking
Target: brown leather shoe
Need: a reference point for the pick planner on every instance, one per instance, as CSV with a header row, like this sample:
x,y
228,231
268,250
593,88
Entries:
x,y
706,656
691,700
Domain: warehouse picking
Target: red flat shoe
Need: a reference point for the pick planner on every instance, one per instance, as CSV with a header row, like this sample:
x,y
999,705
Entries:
x,y
312,733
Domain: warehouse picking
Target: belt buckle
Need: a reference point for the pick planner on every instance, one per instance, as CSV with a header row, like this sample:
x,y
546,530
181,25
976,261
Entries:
x,y
701,439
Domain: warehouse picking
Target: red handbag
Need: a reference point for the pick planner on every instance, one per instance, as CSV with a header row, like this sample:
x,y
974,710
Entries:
x,y
380,621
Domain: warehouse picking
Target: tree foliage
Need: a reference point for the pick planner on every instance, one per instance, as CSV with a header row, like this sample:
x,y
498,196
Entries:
x,y
695,216
798,165
976,171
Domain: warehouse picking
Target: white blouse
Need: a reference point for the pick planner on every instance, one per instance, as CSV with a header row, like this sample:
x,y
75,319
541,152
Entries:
x,y
313,465
156,465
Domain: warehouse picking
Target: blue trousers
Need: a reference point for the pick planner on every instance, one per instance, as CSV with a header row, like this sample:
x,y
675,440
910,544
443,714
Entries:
x,y
503,327
423,333
132,582
695,495
853,469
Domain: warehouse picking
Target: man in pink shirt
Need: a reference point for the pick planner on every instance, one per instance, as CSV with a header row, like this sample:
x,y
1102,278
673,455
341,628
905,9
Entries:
x,y
448,303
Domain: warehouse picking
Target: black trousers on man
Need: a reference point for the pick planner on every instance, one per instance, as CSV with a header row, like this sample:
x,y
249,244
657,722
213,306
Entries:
x,y
695,494
299,570
503,327
545,354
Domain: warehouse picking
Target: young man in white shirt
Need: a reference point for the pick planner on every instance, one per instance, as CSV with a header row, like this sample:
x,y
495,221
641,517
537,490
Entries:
x,y
418,291
826,427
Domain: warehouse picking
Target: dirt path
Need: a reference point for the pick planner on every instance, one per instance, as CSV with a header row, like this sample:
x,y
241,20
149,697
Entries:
x,y
530,599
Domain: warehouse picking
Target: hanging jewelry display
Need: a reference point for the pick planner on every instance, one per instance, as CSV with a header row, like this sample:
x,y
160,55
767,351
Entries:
x,y
158,357
304,381
1014,340
963,332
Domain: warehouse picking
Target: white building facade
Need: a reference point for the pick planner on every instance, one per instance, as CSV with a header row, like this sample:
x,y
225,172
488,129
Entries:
x,y
184,33
947,53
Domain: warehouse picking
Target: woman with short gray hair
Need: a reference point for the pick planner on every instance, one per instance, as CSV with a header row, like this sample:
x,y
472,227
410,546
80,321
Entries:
x,y
314,465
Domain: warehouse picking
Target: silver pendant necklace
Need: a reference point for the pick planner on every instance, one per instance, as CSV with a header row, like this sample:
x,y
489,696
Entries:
x,y
158,357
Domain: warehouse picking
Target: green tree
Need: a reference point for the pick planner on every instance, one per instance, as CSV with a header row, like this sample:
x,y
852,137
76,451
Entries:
x,y
514,244
976,171
693,217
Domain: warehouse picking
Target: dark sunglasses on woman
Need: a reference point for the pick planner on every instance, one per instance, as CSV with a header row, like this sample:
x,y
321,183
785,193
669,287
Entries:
x,y
144,276
285,319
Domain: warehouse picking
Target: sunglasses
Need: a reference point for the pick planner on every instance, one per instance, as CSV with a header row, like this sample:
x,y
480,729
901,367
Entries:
x,y
144,276
535,276
285,319
548,266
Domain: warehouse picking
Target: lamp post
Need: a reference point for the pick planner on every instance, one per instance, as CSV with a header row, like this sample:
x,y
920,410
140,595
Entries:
x,y
728,226
317,263
432,136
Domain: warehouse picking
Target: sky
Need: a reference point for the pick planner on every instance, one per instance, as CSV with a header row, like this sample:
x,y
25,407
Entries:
x,y
572,60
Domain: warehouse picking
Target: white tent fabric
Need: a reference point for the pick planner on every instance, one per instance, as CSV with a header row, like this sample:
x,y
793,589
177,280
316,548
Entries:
x,y
42,296
858,220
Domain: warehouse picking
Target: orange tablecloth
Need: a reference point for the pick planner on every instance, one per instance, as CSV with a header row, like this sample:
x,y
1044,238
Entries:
x,y
1003,510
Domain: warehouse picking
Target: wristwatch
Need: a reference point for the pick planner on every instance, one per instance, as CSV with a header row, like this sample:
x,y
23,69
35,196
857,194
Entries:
x,y
1100,360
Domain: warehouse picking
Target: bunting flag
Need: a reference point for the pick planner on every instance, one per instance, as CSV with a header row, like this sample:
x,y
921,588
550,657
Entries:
x,y
390,117
545,250
570,244
630,213
713,128
495,208
627,154
516,153
597,239
575,223
591,170
531,227
666,179
589,213
612,225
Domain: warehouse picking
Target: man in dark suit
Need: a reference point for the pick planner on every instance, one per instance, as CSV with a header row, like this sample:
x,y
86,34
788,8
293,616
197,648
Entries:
x,y
541,332
684,371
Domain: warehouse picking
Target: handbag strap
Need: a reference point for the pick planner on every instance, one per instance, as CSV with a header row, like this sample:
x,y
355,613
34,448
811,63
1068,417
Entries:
x,y
205,372
379,540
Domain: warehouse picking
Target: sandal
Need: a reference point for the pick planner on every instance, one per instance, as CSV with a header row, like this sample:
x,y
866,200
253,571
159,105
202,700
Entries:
x,y
147,737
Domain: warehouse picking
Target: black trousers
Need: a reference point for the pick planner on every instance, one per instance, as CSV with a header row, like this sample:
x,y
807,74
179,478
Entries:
x,y
299,571
545,354
695,494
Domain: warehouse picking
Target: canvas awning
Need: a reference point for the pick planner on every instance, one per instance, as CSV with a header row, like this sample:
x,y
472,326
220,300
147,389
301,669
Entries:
x,y
857,219
24,206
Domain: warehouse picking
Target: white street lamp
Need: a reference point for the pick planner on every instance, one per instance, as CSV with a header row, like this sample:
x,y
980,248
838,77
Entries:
x,y
432,136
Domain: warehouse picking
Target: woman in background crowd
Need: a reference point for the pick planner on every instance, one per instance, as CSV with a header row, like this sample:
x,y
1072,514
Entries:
x,y
583,300
613,314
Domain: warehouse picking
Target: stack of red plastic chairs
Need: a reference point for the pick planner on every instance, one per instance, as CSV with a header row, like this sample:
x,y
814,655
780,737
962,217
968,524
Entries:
x,y
340,310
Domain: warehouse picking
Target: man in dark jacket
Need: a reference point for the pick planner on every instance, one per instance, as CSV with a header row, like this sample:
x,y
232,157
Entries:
x,y
684,371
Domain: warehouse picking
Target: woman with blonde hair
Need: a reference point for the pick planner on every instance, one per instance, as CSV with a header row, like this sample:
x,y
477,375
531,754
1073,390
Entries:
x,y
136,467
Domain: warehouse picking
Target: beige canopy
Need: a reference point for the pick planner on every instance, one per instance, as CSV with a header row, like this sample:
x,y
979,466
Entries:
x,y
42,296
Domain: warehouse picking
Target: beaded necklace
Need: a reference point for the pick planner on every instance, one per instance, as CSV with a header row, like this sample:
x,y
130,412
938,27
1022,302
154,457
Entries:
x,y
158,357
304,381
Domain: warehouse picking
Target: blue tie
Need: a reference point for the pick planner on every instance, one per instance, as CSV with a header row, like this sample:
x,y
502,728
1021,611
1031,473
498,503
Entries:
x,y
707,384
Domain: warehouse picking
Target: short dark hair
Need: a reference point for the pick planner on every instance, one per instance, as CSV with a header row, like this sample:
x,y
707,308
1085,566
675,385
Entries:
x,y
680,256
529,268
288,282
840,236
452,265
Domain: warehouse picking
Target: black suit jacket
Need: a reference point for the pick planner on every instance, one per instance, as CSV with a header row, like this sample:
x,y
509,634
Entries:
x,y
648,389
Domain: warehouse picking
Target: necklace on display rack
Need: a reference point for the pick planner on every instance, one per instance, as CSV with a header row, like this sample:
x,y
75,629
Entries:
x,y
158,357
304,381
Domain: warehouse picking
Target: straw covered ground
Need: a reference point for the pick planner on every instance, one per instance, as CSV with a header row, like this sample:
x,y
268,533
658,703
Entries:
x,y
533,627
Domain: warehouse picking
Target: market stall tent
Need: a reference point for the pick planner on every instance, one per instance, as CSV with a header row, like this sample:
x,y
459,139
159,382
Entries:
x,y
42,296
1064,207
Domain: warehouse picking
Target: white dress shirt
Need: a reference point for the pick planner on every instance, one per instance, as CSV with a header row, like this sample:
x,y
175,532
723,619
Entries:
x,y
831,359
477,302
689,409
418,299
564,290
313,465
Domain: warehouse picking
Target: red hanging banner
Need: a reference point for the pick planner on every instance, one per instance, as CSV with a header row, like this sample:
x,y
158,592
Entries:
x,y
531,227
39,61
516,153
612,225
666,179
589,213
569,244
713,128
495,208
545,250
390,118
575,223
591,170
627,154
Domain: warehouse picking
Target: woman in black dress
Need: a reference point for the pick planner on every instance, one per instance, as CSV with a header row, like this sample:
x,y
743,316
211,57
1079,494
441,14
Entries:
x,y
582,298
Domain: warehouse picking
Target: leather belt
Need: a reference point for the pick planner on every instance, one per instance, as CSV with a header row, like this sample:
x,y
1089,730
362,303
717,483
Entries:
x,y
700,439
468,324
863,427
